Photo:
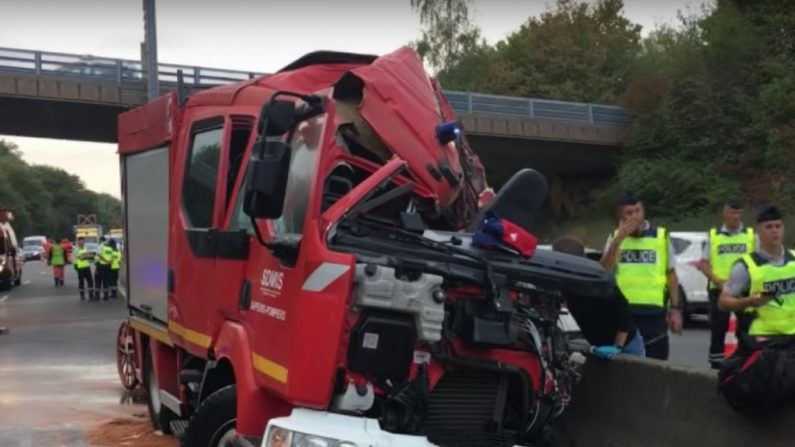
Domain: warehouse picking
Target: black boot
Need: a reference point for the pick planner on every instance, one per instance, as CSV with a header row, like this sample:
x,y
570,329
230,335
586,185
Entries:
x,y
105,296
82,296
56,281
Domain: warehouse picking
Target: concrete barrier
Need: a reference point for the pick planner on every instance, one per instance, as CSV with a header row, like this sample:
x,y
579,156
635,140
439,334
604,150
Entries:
x,y
644,403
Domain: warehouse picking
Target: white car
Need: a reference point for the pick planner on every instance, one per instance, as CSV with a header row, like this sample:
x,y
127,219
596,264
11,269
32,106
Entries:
x,y
688,248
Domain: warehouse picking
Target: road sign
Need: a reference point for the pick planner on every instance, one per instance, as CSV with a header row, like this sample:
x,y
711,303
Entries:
x,y
86,219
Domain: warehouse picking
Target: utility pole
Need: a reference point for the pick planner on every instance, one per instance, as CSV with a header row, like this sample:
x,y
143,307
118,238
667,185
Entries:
x,y
149,47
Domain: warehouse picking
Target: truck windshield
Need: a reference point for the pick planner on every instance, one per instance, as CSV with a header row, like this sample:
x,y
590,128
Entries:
x,y
306,143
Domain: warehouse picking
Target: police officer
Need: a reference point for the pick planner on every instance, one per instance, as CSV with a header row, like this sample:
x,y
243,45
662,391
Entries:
x,y
102,261
726,245
643,260
764,281
113,271
82,262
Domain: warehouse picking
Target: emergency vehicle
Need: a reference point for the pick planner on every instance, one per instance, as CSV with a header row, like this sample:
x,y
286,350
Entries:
x,y
303,269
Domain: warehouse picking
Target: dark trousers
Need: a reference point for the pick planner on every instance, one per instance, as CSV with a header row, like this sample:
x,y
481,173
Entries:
x,y
100,278
718,324
84,278
113,281
654,329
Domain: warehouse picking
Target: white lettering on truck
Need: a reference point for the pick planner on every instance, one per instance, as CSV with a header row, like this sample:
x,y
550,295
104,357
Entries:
x,y
271,282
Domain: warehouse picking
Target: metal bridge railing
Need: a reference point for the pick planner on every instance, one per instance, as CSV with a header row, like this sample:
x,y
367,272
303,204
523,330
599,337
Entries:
x,y
476,103
124,71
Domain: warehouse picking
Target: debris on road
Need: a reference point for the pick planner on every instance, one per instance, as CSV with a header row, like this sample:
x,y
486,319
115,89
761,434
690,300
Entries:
x,y
128,432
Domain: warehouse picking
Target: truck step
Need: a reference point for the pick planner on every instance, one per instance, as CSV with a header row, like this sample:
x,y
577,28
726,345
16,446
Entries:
x,y
178,427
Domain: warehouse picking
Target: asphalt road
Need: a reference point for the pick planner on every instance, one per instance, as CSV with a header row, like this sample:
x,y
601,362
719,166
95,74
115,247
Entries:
x,y
57,363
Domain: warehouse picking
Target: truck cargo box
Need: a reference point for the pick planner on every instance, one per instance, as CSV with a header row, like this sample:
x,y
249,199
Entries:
x,y
145,136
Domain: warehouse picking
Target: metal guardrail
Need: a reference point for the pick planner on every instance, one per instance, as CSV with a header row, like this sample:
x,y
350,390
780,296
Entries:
x,y
131,71
119,70
476,103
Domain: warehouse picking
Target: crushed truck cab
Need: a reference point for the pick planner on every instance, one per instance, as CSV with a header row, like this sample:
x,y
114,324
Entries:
x,y
300,250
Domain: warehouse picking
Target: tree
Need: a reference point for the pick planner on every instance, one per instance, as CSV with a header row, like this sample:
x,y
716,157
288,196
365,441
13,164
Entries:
x,y
46,200
448,35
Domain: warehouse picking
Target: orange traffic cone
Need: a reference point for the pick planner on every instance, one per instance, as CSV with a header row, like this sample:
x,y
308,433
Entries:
x,y
730,340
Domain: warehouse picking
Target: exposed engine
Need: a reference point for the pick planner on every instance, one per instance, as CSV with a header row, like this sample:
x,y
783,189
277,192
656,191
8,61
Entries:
x,y
440,347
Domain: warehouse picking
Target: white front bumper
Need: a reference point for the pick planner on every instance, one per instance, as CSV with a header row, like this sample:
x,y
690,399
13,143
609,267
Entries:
x,y
359,431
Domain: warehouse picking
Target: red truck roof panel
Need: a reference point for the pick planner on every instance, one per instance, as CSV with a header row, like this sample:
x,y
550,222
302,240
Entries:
x,y
401,105
148,126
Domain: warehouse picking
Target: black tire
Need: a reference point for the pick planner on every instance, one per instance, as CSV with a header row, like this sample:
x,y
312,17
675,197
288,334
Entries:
x,y
213,423
160,415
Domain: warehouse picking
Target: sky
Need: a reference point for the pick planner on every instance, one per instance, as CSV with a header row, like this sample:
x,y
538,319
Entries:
x,y
251,35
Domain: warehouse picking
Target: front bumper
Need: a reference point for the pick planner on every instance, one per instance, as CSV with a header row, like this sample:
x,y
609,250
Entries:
x,y
348,430
341,430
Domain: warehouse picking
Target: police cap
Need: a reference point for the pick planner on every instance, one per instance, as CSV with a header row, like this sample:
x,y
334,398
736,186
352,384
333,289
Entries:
x,y
768,213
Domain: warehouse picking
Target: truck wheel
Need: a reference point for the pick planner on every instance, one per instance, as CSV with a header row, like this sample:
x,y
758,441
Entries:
x,y
159,414
125,357
213,423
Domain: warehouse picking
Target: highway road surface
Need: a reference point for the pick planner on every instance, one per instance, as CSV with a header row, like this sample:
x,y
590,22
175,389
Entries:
x,y
58,379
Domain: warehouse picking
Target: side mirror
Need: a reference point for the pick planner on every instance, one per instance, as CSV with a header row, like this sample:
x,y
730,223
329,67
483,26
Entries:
x,y
277,118
267,182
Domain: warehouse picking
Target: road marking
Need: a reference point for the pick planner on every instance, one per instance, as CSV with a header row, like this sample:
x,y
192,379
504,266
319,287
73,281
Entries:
x,y
26,283
3,298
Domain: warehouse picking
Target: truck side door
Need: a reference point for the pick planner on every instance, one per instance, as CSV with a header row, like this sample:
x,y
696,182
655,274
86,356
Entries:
x,y
297,303
207,262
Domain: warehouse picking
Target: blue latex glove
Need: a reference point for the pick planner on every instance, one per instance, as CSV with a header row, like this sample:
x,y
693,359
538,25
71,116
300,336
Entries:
x,y
605,352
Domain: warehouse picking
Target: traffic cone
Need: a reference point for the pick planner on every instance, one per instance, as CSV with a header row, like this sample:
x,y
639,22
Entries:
x,y
730,340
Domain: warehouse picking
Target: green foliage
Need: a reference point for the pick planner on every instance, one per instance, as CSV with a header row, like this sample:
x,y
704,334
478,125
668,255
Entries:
x,y
448,35
46,200
712,97
577,51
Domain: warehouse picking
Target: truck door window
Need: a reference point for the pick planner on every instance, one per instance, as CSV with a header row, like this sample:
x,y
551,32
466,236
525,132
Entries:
x,y
305,144
198,191
238,141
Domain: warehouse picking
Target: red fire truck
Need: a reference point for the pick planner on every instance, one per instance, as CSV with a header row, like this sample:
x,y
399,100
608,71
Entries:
x,y
300,267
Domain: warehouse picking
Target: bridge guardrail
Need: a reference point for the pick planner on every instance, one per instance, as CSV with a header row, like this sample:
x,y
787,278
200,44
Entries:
x,y
131,71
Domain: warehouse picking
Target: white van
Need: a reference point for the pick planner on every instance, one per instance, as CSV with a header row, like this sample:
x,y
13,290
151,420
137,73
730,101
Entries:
x,y
33,248
688,248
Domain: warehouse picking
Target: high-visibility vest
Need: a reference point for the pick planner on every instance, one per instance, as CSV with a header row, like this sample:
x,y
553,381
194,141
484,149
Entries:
x,y
57,255
725,250
642,268
104,256
81,264
778,316
116,263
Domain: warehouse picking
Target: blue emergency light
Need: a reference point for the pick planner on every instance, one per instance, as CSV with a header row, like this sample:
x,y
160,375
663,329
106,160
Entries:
x,y
449,131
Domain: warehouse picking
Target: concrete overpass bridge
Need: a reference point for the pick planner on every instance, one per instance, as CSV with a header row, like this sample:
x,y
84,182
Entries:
x,y
77,97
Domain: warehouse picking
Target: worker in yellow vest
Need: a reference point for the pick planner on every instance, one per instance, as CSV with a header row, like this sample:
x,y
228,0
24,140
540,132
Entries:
x,y
82,262
724,247
115,266
764,281
643,261
102,263
57,259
